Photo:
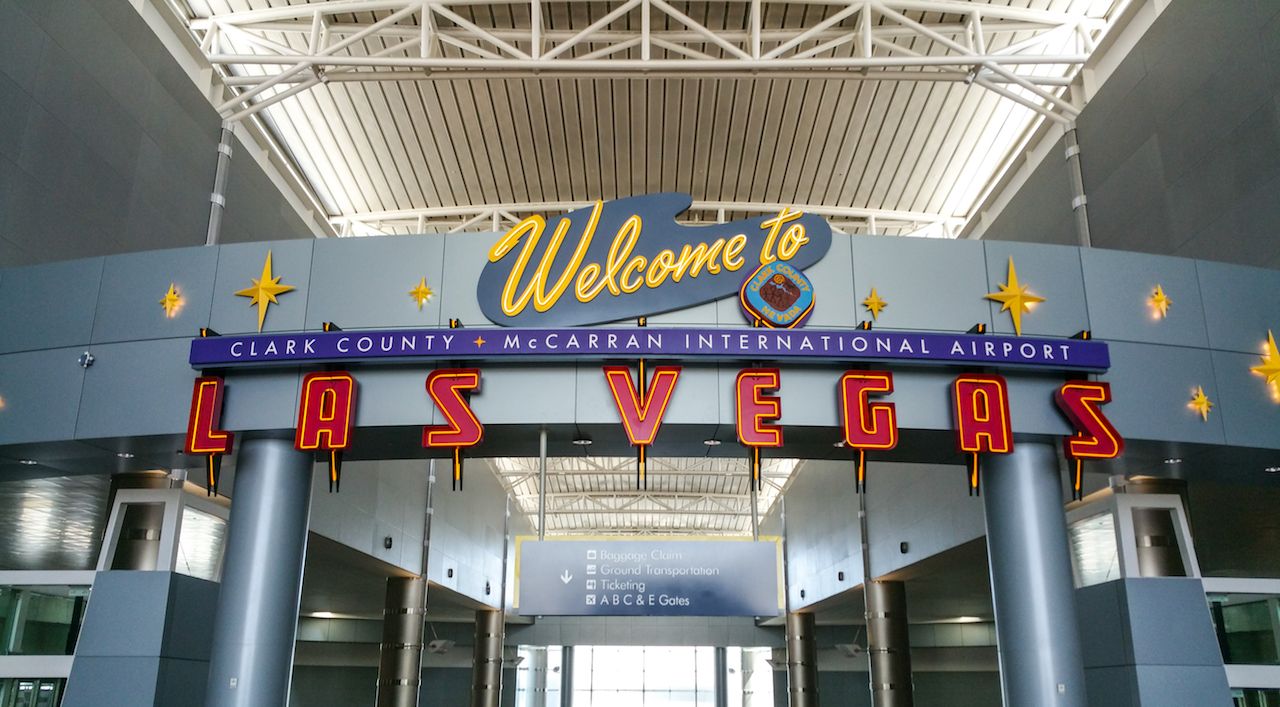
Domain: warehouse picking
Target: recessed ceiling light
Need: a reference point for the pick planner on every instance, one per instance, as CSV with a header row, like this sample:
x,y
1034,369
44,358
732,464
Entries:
x,y
838,445
125,455
1272,469
1173,460
711,442
582,441
28,462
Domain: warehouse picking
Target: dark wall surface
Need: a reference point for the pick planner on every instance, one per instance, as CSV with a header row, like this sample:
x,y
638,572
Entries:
x,y
1180,148
106,146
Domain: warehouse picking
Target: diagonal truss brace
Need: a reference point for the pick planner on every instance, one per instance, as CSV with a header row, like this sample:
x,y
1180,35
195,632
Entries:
x,y
1027,56
500,217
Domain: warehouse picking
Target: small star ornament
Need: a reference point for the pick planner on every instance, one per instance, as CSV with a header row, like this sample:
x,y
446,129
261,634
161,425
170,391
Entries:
x,y
1200,403
1014,298
263,291
479,341
422,294
874,304
1269,369
1160,303
172,302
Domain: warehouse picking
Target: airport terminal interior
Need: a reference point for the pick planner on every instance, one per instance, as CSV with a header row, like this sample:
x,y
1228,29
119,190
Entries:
x,y
639,353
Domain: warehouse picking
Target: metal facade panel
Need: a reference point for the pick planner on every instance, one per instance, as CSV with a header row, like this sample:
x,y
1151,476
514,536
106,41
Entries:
x,y
519,397
1150,388
1248,408
1051,272
239,265
466,256
45,306
129,307
1241,304
387,269
396,395
929,284
260,400
149,379
41,392
1120,285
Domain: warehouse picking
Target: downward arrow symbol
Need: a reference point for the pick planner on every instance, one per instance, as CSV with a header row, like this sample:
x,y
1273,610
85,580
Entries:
x,y
565,576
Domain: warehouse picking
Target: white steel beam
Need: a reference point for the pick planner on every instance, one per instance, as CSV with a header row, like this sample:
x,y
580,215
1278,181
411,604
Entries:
x,y
1027,56
454,219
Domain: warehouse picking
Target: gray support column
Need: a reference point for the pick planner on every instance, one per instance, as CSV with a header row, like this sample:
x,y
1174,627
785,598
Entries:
x,y
486,662
400,664
722,676
1078,199
1031,583
566,677
802,660
218,198
888,644
257,618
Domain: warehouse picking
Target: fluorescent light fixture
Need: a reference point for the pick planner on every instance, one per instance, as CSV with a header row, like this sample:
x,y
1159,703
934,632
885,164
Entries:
x,y
125,455
1173,460
711,442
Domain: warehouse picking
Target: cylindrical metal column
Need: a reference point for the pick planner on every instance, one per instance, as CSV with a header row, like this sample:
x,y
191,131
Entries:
x,y
722,676
1079,202
257,619
486,670
1031,584
888,644
400,664
566,677
802,660
218,198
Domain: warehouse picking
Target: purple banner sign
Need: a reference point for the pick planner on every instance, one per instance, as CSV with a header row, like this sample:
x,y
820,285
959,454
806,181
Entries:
x,y
588,343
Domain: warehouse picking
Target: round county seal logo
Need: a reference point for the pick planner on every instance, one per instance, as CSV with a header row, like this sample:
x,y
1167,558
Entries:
x,y
777,295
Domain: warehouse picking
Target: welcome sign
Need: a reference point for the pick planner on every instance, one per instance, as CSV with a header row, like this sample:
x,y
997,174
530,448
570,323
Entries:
x,y
629,258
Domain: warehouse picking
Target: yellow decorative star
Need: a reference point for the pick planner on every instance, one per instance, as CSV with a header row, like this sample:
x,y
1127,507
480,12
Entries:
x,y
1270,367
421,294
874,304
263,291
1159,303
172,302
1200,403
1014,298
479,341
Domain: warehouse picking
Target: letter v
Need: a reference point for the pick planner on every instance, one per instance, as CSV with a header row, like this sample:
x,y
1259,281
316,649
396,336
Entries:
x,y
642,412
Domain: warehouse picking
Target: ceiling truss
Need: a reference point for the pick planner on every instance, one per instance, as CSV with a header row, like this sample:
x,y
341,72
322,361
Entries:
x,y
500,217
272,54
685,496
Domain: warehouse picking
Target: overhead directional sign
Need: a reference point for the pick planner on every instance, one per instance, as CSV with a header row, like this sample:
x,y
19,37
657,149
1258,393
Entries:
x,y
648,578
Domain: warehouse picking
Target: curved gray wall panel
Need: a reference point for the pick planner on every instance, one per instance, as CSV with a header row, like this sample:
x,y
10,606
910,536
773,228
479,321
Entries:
x,y
136,394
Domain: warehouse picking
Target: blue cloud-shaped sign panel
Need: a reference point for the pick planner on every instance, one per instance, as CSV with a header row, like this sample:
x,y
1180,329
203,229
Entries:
x,y
629,258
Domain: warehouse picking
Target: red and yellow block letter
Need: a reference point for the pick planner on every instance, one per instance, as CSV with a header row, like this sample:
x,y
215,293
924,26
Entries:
x,y
326,410
981,405
203,435
448,389
867,425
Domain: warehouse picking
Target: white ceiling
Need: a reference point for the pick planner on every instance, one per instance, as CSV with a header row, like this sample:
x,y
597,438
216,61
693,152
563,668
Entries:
x,y
684,495
471,130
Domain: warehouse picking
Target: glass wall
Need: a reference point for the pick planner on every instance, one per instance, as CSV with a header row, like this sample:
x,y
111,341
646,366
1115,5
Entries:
x,y
643,676
1248,628
40,620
